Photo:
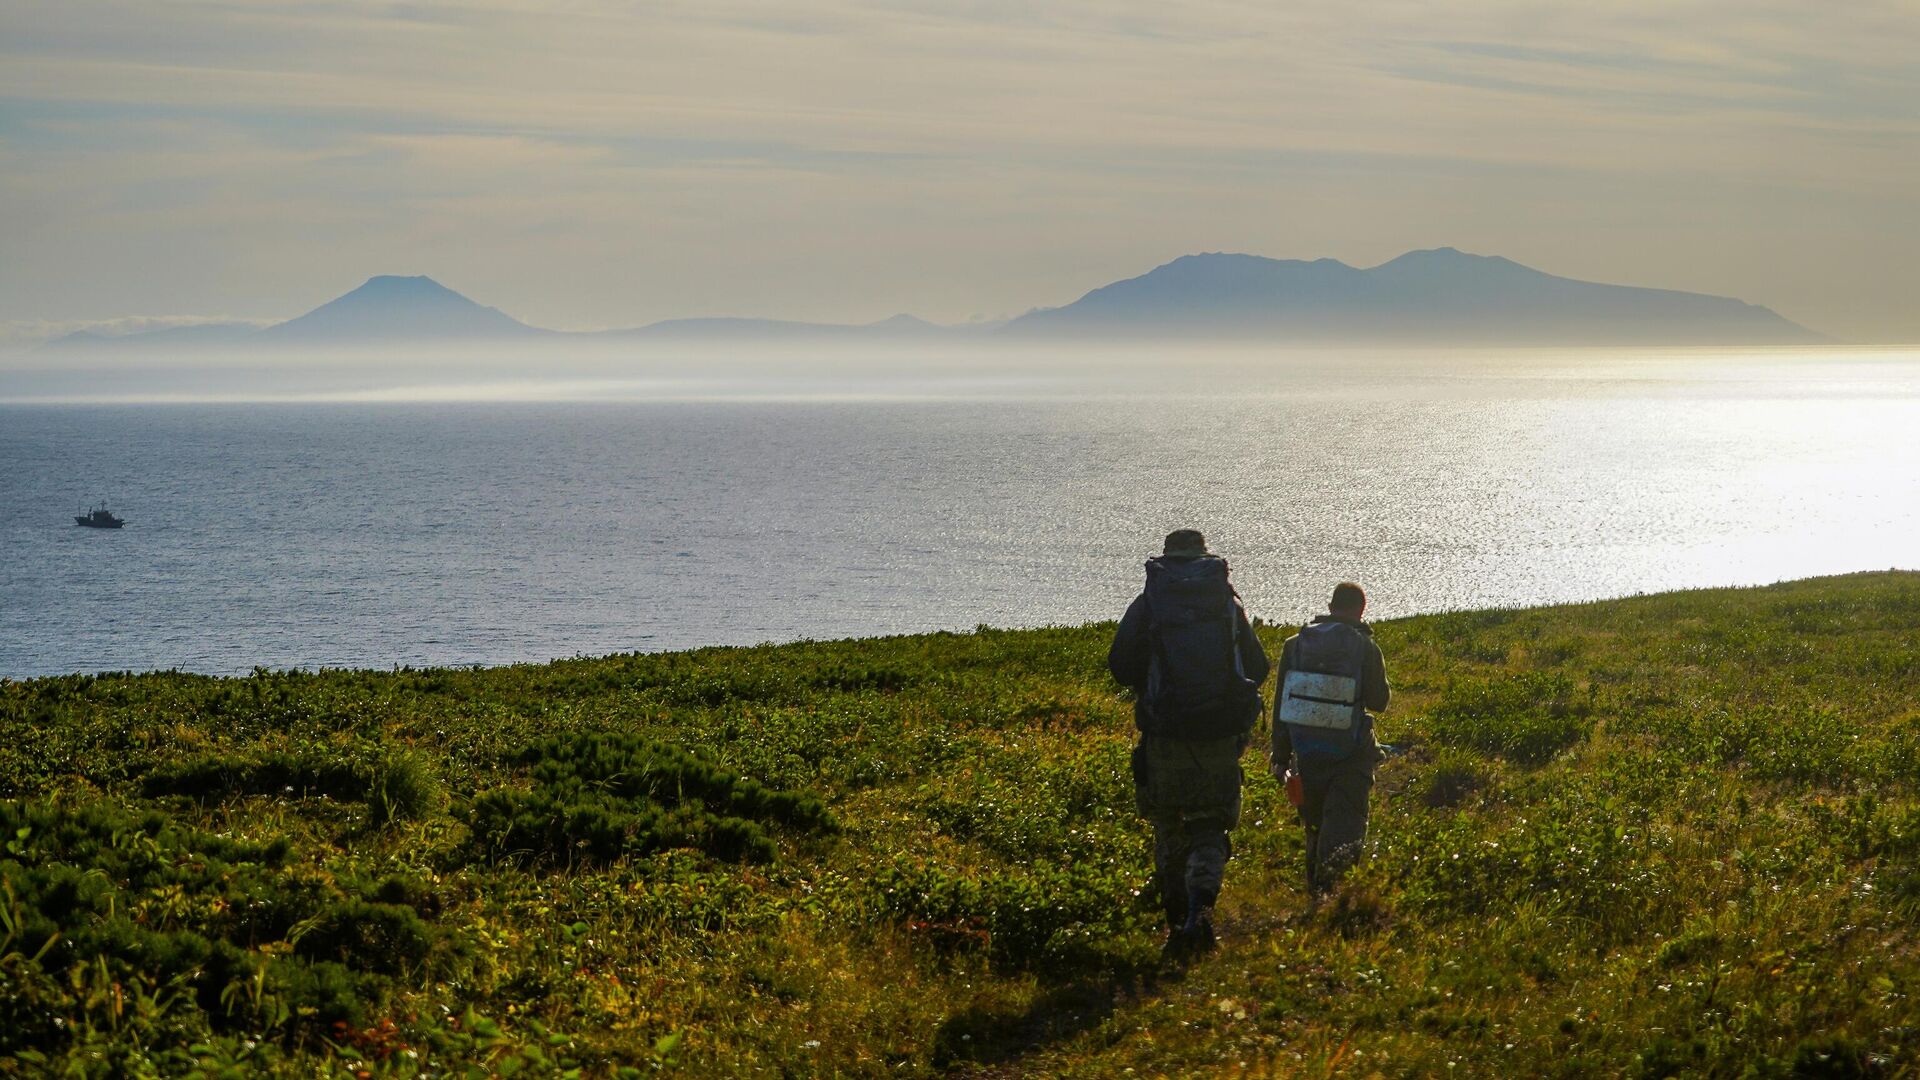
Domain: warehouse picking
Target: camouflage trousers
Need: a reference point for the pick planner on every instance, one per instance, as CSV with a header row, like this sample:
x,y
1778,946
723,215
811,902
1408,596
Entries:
x,y
1189,864
1334,812
1190,792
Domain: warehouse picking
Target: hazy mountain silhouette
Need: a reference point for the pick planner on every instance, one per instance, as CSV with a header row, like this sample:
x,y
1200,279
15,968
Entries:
x,y
1441,296
742,329
1438,297
389,308
198,334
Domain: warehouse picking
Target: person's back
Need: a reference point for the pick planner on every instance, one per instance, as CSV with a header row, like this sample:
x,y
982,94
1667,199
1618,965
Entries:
x,y
1332,674
1186,649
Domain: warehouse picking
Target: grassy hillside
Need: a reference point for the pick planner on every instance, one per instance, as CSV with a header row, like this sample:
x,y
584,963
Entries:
x,y
1670,835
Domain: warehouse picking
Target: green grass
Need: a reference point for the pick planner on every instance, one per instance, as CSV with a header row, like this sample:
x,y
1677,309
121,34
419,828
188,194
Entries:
x,y
1671,835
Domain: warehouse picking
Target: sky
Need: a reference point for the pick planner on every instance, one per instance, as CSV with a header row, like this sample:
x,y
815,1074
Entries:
x,y
589,164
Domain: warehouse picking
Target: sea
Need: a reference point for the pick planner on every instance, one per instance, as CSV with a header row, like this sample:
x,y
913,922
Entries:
x,y
434,522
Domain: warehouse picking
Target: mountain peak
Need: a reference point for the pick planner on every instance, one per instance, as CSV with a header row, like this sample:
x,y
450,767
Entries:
x,y
1452,263
402,283
399,288
902,321
396,307
1441,256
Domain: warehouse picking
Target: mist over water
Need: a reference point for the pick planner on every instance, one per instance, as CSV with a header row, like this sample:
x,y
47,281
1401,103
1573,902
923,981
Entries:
x,y
451,511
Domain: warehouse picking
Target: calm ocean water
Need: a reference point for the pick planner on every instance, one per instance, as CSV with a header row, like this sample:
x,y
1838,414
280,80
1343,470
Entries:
x,y
375,534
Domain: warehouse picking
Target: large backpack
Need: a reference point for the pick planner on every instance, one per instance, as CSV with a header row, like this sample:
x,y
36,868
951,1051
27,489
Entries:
x,y
1321,699
1196,688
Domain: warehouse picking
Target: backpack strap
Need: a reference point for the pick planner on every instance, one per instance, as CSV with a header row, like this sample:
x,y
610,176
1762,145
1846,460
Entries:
x,y
1156,640
1233,631
1360,642
1156,647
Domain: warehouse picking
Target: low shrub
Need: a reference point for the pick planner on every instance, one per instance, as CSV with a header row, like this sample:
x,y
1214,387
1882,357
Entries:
x,y
587,827
394,785
1040,917
598,797
1810,744
101,900
1527,718
401,786
1575,852
1453,778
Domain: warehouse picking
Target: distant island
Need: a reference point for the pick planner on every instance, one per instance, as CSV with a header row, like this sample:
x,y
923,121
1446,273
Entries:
x,y
1435,297
1442,296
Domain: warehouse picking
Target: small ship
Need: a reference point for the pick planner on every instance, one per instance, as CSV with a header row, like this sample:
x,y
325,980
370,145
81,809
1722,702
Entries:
x,y
99,518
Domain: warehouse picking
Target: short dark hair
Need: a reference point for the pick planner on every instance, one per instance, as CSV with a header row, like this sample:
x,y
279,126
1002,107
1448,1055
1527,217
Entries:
x,y
1185,542
1347,597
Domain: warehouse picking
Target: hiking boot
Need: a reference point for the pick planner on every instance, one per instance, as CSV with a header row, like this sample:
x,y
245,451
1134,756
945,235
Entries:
x,y
1198,933
1173,902
1176,917
1184,946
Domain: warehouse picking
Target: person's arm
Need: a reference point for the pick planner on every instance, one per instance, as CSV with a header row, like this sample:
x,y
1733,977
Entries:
x,y
1377,690
1280,754
1127,658
1253,658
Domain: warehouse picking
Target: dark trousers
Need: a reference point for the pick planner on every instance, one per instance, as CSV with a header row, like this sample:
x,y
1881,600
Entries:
x,y
1190,792
1335,814
1189,863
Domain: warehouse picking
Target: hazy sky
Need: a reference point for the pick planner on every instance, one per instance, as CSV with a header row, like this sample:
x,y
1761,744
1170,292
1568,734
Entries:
x,y
590,164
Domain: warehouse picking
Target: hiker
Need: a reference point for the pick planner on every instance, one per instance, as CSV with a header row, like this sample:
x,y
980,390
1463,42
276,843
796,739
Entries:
x,y
1331,673
1186,650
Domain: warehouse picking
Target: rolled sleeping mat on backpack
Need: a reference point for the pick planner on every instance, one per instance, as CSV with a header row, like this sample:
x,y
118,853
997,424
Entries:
x,y
1311,699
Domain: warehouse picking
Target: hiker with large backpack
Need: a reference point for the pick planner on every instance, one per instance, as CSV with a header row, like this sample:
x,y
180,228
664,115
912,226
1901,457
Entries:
x,y
1186,650
1324,751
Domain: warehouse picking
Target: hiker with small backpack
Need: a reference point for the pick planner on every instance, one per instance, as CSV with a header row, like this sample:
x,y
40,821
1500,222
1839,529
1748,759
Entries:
x,y
1324,751
1187,651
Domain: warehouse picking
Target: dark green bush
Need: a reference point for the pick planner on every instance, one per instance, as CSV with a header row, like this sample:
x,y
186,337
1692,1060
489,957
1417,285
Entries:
x,y
213,778
586,827
597,797
394,785
324,993
630,767
101,895
385,938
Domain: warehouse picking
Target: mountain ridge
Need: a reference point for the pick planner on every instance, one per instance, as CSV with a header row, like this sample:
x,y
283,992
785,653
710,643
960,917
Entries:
x,y
1439,296
1442,295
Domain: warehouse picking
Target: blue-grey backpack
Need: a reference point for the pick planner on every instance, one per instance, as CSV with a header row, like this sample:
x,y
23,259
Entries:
x,y
1196,688
1321,696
